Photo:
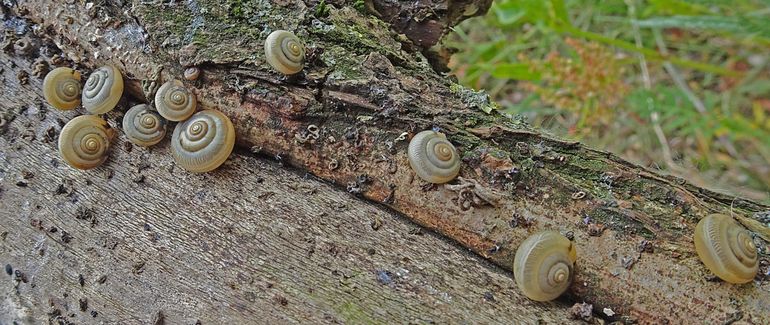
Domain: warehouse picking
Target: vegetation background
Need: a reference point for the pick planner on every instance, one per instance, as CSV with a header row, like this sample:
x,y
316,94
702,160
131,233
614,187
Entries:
x,y
682,86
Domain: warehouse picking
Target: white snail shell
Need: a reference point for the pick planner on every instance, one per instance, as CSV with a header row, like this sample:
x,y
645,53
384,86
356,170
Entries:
x,y
726,248
84,141
544,265
103,90
174,101
203,142
433,158
143,126
285,52
61,88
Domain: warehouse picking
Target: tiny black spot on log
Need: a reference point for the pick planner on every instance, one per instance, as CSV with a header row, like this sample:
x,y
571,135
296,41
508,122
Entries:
x,y
83,303
66,237
8,269
81,280
158,319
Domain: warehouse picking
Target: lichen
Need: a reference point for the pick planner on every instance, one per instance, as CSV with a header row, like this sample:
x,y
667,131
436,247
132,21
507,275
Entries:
x,y
476,99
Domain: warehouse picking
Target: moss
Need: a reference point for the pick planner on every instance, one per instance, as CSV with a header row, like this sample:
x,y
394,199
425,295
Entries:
x,y
353,313
471,98
360,5
322,10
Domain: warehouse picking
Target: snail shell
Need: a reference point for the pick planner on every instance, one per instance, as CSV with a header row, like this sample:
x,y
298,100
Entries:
x,y
84,141
103,90
192,73
61,88
544,265
203,142
143,126
285,52
726,248
175,102
433,157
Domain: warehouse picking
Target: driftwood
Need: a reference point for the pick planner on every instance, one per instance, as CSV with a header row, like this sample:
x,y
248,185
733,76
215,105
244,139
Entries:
x,y
367,90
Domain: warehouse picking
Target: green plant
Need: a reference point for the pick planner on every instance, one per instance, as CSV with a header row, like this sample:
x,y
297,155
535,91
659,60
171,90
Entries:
x,y
685,83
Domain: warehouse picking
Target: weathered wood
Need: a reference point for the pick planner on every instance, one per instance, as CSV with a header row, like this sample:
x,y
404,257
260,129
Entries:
x,y
363,91
251,243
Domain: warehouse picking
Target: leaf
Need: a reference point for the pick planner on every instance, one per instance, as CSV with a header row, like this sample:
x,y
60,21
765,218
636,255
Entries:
x,y
674,7
516,12
515,71
735,25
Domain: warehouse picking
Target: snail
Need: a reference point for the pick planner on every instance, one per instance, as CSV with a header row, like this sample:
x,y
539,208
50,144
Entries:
x,y
433,157
61,88
103,90
203,142
84,141
175,102
543,265
192,73
726,248
143,126
285,52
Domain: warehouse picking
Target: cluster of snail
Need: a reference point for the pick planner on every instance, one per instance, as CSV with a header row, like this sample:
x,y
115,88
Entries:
x,y
543,266
201,141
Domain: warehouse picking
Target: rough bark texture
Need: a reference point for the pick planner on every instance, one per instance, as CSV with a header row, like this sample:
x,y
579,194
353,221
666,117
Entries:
x,y
363,89
251,243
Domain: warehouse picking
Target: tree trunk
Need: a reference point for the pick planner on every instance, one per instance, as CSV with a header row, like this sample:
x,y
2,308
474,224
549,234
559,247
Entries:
x,y
367,90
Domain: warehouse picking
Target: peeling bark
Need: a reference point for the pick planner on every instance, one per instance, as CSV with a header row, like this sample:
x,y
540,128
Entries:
x,y
362,91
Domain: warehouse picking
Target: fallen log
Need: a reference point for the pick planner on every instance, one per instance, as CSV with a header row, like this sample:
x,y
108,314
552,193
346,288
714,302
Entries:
x,y
367,90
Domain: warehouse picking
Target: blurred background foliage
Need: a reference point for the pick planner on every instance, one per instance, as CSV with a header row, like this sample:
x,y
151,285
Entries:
x,y
682,86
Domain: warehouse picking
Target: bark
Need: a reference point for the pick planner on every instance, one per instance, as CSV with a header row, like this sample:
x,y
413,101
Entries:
x,y
251,243
364,86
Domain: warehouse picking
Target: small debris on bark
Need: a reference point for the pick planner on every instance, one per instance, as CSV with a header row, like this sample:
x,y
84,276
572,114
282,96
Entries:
x,y
158,318
376,224
582,311
138,268
384,277
81,280
281,300
66,237
83,303
9,269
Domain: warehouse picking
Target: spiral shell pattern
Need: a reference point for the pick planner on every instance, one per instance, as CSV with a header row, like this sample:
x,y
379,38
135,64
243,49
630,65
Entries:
x,y
61,88
544,265
175,102
84,141
433,157
103,90
143,126
726,248
285,52
203,142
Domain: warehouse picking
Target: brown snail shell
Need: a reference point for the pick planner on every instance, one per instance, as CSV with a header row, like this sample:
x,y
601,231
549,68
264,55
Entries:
x,y
544,265
433,157
726,248
103,90
203,142
285,52
61,88
84,141
143,126
174,101
192,73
